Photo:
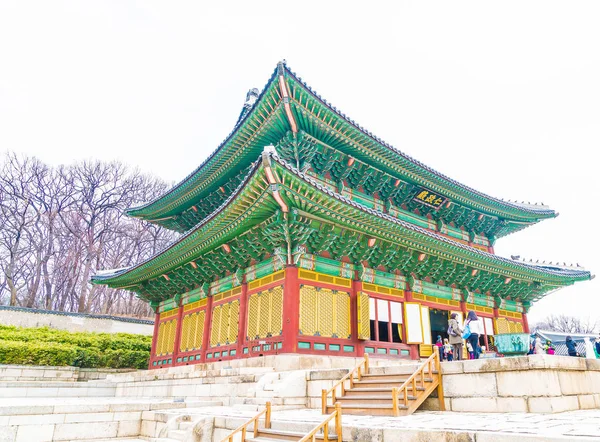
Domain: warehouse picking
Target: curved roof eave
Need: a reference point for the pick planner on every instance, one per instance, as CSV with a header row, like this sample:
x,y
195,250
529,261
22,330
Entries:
x,y
540,210
105,276
568,273
155,204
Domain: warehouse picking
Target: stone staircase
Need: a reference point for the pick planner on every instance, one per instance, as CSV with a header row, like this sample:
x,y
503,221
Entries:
x,y
252,431
398,392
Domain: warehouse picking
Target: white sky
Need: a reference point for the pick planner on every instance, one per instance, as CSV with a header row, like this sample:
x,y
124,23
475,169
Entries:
x,y
504,97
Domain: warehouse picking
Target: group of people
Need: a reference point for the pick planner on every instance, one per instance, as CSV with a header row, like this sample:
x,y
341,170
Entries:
x,y
592,349
452,347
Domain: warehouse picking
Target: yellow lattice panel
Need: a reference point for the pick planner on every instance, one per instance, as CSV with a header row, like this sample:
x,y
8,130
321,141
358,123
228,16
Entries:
x,y
508,314
364,328
325,313
422,297
480,309
170,313
264,314
425,350
159,339
276,311
502,326
518,327
383,290
253,315
342,315
234,316
277,276
224,325
215,326
164,338
194,305
199,330
322,277
185,333
168,343
308,310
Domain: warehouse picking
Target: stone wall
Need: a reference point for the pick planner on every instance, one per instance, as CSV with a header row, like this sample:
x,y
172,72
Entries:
x,y
74,322
534,384
34,373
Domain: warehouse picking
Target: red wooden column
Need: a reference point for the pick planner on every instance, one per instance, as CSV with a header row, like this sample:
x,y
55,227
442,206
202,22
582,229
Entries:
x,y
463,309
242,319
525,323
414,348
207,327
178,333
356,289
291,310
154,339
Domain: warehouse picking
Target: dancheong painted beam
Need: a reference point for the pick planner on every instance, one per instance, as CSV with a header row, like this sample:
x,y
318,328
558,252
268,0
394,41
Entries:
x,y
306,233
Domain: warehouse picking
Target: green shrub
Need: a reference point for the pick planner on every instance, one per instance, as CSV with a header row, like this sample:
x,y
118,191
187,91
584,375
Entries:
x,y
31,353
46,346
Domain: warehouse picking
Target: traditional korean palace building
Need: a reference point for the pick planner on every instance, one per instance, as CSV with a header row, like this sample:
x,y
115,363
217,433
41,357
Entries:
x,y
305,233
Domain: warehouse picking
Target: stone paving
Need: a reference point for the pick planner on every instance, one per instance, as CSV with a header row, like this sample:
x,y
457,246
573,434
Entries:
x,y
582,425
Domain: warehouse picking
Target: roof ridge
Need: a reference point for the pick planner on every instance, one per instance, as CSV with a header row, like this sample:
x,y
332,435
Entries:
x,y
526,207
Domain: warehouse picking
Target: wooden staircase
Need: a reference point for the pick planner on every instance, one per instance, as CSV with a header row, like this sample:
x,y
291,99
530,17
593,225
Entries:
x,y
363,393
267,434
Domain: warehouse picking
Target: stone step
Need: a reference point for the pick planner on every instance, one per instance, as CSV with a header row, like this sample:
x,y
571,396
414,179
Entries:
x,y
358,392
119,439
382,383
369,400
157,439
403,376
264,439
177,435
406,369
367,410
287,435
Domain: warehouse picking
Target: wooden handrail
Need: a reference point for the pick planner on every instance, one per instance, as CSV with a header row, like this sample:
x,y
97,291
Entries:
x,y
244,427
337,415
402,391
358,370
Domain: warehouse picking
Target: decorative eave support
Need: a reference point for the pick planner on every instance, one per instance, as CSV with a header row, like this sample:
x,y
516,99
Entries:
x,y
286,99
274,184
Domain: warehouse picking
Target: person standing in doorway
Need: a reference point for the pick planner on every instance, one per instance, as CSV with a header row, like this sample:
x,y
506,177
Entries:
x,y
476,329
455,337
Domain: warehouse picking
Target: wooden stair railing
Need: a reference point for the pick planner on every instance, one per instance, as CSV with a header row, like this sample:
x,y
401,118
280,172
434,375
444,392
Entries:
x,y
391,394
337,415
400,394
244,427
361,368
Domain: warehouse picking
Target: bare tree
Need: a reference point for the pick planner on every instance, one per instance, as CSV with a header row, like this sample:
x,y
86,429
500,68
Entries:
x,y
59,225
568,324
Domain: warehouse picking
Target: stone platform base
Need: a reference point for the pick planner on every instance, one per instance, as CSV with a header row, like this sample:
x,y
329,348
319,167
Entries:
x,y
527,384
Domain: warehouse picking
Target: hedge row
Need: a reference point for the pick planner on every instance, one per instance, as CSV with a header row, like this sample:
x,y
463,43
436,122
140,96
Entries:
x,y
104,341
44,346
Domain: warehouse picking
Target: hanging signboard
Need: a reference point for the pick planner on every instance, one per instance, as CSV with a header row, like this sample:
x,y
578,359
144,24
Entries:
x,y
429,198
